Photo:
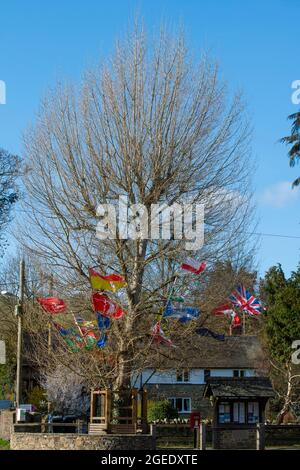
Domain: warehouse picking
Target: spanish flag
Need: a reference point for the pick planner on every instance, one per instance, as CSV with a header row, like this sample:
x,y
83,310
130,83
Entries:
x,y
113,282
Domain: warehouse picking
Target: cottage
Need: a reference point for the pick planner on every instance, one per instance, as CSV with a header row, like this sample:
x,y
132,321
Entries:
x,y
183,373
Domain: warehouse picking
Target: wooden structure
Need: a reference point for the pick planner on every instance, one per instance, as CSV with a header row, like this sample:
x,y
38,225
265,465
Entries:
x,y
238,400
118,411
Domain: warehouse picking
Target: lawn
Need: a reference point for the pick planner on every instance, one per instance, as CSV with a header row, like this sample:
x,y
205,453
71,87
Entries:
x,y
4,445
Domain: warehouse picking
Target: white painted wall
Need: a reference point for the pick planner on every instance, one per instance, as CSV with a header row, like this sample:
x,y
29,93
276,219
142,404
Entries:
x,y
196,376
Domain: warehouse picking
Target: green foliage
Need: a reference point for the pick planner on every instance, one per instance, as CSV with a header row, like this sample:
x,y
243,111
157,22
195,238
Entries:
x,y
161,410
6,382
37,398
282,324
294,141
4,445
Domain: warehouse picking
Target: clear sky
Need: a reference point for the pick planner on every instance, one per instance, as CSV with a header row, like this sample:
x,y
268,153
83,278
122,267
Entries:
x,y
256,43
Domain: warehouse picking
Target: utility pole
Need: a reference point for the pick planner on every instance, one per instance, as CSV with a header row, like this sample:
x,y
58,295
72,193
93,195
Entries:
x,y
19,310
49,322
50,332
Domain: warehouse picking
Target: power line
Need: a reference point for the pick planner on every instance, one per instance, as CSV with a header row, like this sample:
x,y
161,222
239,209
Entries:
x,y
273,235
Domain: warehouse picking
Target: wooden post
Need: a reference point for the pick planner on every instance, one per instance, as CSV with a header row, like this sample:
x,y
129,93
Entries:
x,y
50,289
108,410
202,436
19,314
144,411
260,436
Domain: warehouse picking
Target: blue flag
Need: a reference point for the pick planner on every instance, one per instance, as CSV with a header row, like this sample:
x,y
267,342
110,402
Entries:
x,y
103,322
102,341
183,314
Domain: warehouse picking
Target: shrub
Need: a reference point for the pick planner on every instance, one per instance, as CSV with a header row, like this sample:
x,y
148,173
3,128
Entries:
x,y
160,410
37,398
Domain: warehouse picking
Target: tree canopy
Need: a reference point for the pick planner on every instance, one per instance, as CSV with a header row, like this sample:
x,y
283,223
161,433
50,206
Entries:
x,y
9,168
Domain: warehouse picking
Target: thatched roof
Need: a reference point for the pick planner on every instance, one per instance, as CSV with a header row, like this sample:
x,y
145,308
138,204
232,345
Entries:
x,y
236,352
240,387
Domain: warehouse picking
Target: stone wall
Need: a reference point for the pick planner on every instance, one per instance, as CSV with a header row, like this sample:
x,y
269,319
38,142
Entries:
x,y
7,418
31,441
163,391
282,434
234,437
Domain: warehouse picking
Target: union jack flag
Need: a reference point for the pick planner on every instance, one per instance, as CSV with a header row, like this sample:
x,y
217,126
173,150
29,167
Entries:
x,y
245,301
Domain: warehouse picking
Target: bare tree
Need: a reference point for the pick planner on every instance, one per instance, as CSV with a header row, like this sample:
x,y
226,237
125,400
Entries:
x,y
153,125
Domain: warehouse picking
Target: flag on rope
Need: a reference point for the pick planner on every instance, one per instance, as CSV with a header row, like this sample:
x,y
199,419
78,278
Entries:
x,y
235,320
159,336
71,337
101,343
52,304
178,299
245,301
207,332
90,338
106,306
193,266
225,309
87,324
103,321
113,282
183,314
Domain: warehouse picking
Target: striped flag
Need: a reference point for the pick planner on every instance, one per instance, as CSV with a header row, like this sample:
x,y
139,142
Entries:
x,y
112,283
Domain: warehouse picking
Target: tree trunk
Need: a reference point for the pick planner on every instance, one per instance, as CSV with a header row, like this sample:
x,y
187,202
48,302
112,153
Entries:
x,y
288,397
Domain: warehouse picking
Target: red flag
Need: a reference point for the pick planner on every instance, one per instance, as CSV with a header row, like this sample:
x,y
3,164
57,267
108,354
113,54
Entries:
x,y
52,304
225,309
193,266
236,321
106,306
159,336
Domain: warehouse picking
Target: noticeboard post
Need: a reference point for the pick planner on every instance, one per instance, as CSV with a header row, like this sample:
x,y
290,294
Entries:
x,y
195,420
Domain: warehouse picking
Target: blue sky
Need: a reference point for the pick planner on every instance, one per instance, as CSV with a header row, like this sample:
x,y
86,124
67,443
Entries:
x,y
255,42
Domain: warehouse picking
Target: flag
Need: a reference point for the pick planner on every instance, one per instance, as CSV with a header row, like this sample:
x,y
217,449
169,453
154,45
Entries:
x,y
159,336
225,309
183,314
113,282
245,301
193,266
178,299
52,304
236,321
102,341
208,332
87,324
90,338
103,322
106,306
71,337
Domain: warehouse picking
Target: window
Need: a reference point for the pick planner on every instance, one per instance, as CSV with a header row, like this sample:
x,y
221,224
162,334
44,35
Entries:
x,y
239,412
182,405
206,374
253,412
224,413
183,376
238,373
